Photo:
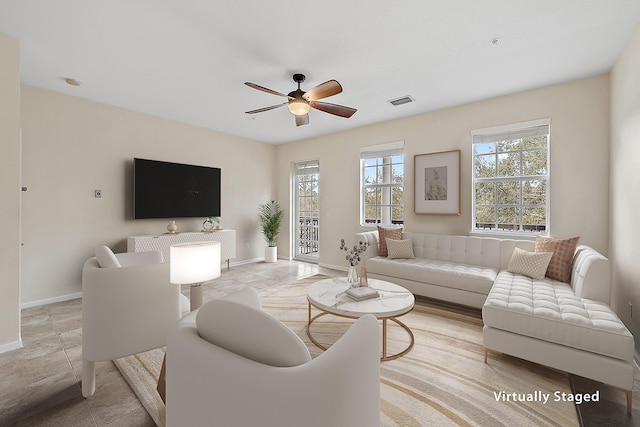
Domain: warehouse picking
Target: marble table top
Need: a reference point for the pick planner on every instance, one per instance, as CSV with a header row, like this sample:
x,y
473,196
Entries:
x,y
330,295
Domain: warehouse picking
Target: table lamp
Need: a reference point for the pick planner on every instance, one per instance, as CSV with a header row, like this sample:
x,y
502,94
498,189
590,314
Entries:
x,y
192,264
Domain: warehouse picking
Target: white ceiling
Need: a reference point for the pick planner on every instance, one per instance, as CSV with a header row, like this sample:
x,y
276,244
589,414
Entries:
x,y
187,60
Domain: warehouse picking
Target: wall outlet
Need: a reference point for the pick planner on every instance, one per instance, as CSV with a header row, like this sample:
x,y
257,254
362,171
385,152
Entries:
x,y
246,245
98,194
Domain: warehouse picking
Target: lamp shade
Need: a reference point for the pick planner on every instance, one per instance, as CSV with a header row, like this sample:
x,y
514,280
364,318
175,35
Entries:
x,y
194,262
299,107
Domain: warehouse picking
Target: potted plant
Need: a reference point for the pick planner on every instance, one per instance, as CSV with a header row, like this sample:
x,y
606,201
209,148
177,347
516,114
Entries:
x,y
208,224
270,219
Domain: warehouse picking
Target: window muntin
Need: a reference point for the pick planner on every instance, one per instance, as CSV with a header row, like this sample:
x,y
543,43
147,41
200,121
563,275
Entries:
x,y
510,180
382,184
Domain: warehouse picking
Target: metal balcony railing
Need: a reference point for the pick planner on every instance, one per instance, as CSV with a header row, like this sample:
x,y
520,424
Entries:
x,y
308,236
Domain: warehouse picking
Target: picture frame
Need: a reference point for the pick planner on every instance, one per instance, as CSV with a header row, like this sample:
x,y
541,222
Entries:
x,y
437,183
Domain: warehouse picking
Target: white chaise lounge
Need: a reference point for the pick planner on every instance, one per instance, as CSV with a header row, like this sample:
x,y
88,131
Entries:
x,y
567,326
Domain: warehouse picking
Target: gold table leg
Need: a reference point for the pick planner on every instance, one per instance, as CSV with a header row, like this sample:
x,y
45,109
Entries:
x,y
384,357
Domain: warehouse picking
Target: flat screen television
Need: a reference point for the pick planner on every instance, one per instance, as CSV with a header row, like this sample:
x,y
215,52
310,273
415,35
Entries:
x,y
174,190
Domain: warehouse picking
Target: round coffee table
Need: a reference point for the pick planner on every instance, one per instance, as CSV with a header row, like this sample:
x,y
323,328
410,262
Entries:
x,y
330,297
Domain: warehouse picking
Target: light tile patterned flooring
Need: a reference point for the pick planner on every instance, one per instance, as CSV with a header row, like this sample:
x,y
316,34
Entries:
x,y
40,383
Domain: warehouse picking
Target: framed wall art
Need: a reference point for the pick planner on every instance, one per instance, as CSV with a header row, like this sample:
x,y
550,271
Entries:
x,y
437,183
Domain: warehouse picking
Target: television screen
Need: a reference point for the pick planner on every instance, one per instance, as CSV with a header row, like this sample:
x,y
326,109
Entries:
x,y
174,190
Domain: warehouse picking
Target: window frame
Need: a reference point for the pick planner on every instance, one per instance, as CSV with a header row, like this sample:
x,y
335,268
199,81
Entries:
x,y
379,153
505,133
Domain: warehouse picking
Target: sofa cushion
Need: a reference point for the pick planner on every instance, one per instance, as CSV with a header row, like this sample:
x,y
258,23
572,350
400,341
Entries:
x,y
453,275
251,333
530,264
399,248
549,310
384,234
106,258
562,259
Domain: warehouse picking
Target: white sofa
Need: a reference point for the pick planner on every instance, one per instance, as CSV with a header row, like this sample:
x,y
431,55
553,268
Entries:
x,y
567,326
458,269
231,364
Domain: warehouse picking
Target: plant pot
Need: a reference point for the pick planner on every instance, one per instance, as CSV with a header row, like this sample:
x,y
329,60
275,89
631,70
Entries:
x,y
271,254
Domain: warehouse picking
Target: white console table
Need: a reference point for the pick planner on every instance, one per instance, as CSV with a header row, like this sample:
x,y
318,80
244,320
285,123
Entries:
x,y
162,242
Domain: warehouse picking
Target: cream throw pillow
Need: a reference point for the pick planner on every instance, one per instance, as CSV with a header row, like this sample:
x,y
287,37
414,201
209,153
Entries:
x,y
399,248
530,264
106,257
250,333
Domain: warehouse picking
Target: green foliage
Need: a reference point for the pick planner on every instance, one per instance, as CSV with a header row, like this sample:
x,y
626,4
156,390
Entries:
x,y
271,215
514,193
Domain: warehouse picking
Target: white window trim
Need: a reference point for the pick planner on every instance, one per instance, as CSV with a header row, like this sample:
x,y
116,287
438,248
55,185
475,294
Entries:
x,y
501,130
374,151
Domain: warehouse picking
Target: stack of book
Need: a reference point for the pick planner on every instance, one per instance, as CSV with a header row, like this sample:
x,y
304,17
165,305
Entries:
x,y
362,293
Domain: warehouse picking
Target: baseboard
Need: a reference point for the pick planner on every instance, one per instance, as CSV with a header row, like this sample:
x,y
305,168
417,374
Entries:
x,y
334,267
11,346
245,261
46,301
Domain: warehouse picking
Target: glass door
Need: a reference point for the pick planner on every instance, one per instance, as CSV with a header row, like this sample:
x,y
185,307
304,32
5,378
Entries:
x,y
307,213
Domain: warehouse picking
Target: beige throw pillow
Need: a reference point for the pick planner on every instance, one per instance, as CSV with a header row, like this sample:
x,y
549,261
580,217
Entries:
x,y
529,264
384,234
400,248
562,259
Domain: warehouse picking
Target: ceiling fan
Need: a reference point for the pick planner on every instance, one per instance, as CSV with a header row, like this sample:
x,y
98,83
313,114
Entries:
x,y
300,102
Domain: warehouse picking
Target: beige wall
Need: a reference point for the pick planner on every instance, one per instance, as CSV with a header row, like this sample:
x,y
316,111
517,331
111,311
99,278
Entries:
x,y
9,193
579,113
73,146
625,182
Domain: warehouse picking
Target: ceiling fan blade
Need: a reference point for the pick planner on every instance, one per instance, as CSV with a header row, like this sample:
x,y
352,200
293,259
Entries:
x,y
338,110
260,110
302,120
264,89
324,90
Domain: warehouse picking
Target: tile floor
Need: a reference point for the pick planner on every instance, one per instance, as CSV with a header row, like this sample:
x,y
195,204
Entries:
x,y
40,383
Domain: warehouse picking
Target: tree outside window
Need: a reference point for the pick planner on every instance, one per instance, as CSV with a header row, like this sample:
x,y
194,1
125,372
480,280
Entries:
x,y
511,174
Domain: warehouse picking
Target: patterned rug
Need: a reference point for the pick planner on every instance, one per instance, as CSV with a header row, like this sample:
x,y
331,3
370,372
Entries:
x,y
443,381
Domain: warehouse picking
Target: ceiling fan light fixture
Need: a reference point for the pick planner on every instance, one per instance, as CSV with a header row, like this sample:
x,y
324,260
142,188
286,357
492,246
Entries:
x,y
299,107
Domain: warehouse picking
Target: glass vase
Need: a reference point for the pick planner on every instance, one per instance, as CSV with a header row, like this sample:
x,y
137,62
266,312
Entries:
x,y
352,277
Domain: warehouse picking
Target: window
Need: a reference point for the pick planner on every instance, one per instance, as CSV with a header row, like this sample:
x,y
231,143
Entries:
x,y
511,177
382,184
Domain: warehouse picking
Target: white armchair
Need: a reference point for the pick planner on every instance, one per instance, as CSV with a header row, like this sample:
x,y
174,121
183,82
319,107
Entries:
x,y
231,364
128,306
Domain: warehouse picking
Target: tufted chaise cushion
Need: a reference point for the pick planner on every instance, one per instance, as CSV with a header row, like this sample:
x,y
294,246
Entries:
x,y
549,310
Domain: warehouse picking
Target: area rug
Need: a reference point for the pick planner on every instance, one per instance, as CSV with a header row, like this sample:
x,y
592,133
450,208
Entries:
x,y
141,371
442,381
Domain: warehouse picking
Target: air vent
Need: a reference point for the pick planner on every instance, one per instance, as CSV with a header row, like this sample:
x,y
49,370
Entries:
x,y
399,101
